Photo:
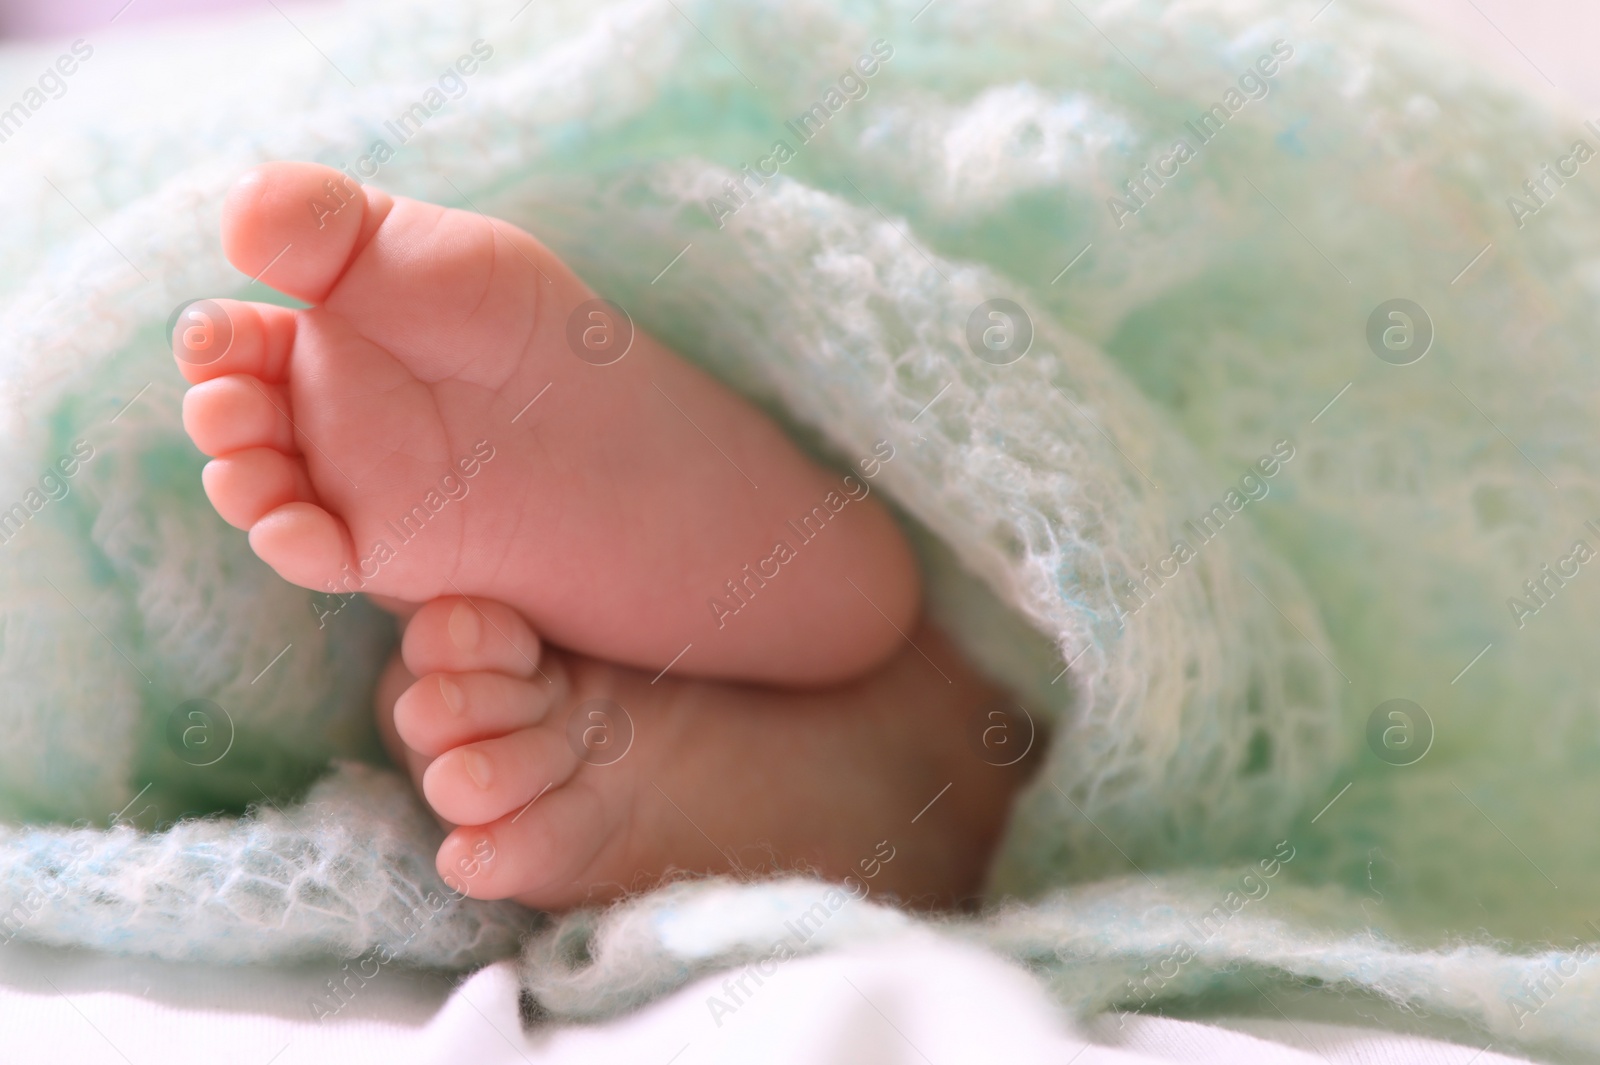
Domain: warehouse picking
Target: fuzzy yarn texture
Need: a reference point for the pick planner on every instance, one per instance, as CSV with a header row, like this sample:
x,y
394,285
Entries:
x,y
1230,792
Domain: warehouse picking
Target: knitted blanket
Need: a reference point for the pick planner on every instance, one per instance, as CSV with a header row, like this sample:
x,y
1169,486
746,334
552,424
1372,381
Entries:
x,y
1239,367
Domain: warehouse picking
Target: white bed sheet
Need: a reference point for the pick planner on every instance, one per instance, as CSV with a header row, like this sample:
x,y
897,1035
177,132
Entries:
x,y
920,1000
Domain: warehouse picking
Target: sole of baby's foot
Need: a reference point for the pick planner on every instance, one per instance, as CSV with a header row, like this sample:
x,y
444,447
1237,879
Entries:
x,y
429,428
569,781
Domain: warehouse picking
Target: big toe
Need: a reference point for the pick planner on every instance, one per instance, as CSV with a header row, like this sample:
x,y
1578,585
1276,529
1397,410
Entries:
x,y
295,226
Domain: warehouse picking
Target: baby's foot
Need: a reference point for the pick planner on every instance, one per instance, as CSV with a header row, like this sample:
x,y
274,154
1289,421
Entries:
x,y
582,780
427,430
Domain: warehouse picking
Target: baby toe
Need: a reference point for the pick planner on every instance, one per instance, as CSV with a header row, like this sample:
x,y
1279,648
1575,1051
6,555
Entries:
x,y
446,710
485,781
535,855
296,226
454,634
305,545
232,413
215,338
246,485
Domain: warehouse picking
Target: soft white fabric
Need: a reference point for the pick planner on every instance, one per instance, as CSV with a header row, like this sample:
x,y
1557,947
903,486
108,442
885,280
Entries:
x,y
917,1002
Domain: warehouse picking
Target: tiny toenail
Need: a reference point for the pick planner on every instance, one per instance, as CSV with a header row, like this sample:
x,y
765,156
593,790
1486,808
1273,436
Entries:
x,y
464,627
476,764
454,697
